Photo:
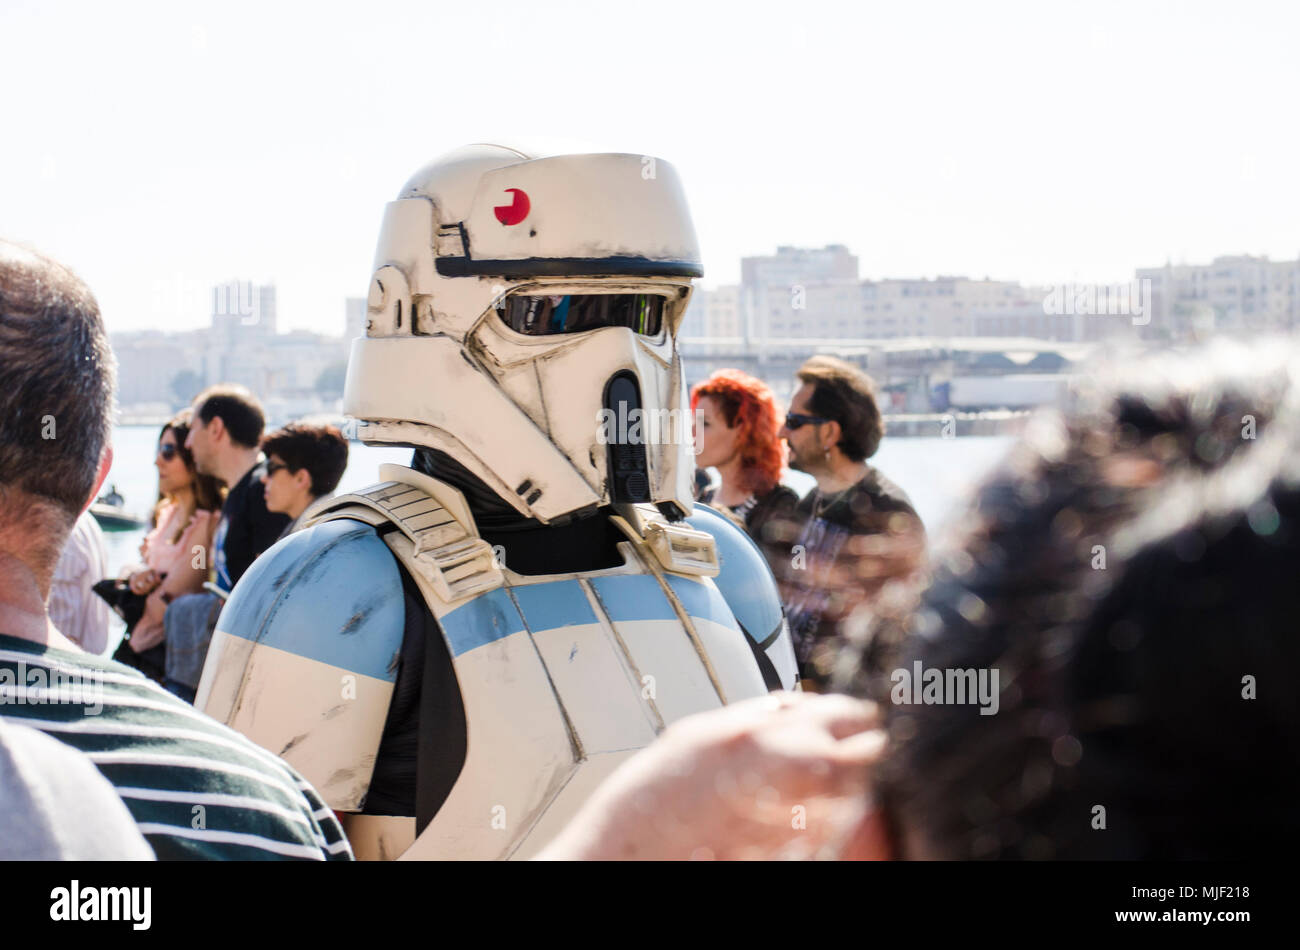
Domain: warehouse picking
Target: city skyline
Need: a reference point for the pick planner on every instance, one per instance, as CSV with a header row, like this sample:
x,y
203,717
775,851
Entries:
x,y
796,299
790,267
1040,144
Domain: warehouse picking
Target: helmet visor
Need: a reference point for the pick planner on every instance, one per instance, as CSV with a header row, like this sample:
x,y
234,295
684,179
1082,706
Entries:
x,y
576,313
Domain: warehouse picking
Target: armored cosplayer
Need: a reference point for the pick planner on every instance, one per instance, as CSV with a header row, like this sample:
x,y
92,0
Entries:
x,y
457,656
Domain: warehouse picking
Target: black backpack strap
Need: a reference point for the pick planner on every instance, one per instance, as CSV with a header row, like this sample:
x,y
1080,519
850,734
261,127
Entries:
x,y
770,678
443,740
422,750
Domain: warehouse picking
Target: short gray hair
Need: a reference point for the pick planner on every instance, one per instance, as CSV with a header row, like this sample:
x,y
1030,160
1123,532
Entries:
x,y
56,401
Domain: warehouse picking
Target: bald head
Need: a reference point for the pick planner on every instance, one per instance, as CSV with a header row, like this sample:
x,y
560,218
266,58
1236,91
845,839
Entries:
x,y
56,400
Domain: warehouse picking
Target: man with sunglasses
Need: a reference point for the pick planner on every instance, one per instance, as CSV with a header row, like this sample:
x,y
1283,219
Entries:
x,y
856,529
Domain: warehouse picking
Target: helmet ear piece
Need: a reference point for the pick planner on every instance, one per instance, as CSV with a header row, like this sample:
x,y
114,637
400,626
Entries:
x,y
388,307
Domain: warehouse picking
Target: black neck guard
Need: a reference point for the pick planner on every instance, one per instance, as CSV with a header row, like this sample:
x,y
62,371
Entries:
x,y
583,541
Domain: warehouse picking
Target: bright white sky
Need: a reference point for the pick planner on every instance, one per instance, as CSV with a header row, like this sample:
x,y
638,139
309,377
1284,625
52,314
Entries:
x,y
160,148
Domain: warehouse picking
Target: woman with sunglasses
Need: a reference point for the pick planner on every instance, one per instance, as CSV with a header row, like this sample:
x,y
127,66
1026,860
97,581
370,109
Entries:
x,y
176,551
736,428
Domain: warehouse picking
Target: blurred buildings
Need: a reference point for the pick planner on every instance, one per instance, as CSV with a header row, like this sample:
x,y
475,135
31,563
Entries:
x,y
954,342
801,293
917,335
294,374
1229,294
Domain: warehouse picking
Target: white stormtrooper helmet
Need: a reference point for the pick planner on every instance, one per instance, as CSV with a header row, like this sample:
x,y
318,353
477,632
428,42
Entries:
x,y
521,310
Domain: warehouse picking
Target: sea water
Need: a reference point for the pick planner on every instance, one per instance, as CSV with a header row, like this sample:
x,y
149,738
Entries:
x,y
937,474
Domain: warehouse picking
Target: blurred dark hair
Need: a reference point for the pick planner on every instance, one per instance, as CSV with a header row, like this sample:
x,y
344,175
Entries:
x,y
239,411
1130,571
207,490
321,450
847,395
702,483
56,403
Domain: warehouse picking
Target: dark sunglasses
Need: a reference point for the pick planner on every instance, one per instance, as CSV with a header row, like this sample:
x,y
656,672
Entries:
x,y
797,420
272,467
168,451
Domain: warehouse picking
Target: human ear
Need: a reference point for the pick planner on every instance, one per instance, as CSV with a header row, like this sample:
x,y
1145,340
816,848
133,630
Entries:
x,y
105,463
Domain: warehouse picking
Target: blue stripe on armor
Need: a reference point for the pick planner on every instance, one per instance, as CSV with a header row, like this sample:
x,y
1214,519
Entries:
x,y
331,593
485,619
702,600
633,597
552,605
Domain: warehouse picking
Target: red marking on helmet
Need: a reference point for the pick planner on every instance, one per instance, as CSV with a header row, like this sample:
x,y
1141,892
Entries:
x,y
516,211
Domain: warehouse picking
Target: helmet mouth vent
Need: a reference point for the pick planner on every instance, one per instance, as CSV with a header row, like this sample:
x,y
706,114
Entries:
x,y
629,474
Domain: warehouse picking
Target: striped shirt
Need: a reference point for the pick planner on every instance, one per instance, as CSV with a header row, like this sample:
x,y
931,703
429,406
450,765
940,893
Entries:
x,y
195,788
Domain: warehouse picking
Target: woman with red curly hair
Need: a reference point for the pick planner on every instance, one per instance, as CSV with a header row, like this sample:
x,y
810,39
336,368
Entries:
x,y
736,428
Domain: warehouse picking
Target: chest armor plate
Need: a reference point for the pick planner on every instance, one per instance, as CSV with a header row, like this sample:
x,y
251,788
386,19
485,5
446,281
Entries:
x,y
562,676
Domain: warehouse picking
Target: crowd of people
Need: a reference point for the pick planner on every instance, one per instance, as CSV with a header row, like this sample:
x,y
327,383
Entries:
x,y
192,787
226,493
835,548
1127,571
227,488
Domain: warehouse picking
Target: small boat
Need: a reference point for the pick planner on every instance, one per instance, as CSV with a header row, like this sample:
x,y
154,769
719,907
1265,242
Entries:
x,y
108,510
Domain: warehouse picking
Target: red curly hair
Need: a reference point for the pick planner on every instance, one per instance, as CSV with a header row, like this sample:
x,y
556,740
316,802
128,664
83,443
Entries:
x,y
748,404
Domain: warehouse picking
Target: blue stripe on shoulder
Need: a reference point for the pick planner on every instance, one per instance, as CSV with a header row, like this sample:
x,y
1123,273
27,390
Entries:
x,y
331,593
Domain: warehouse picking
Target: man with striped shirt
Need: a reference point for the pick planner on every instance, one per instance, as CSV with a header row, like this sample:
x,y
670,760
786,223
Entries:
x,y
195,788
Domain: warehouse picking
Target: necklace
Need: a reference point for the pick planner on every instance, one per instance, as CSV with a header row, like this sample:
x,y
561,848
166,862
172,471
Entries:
x,y
821,504
745,507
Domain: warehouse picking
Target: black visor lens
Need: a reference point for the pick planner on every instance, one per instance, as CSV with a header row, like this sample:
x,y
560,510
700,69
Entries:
x,y
576,313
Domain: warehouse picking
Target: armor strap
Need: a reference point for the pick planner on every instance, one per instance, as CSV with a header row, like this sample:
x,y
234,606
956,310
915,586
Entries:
x,y
446,548
677,547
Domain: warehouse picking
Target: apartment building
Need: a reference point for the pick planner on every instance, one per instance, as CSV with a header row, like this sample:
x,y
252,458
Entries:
x,y
1239,293
939,307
